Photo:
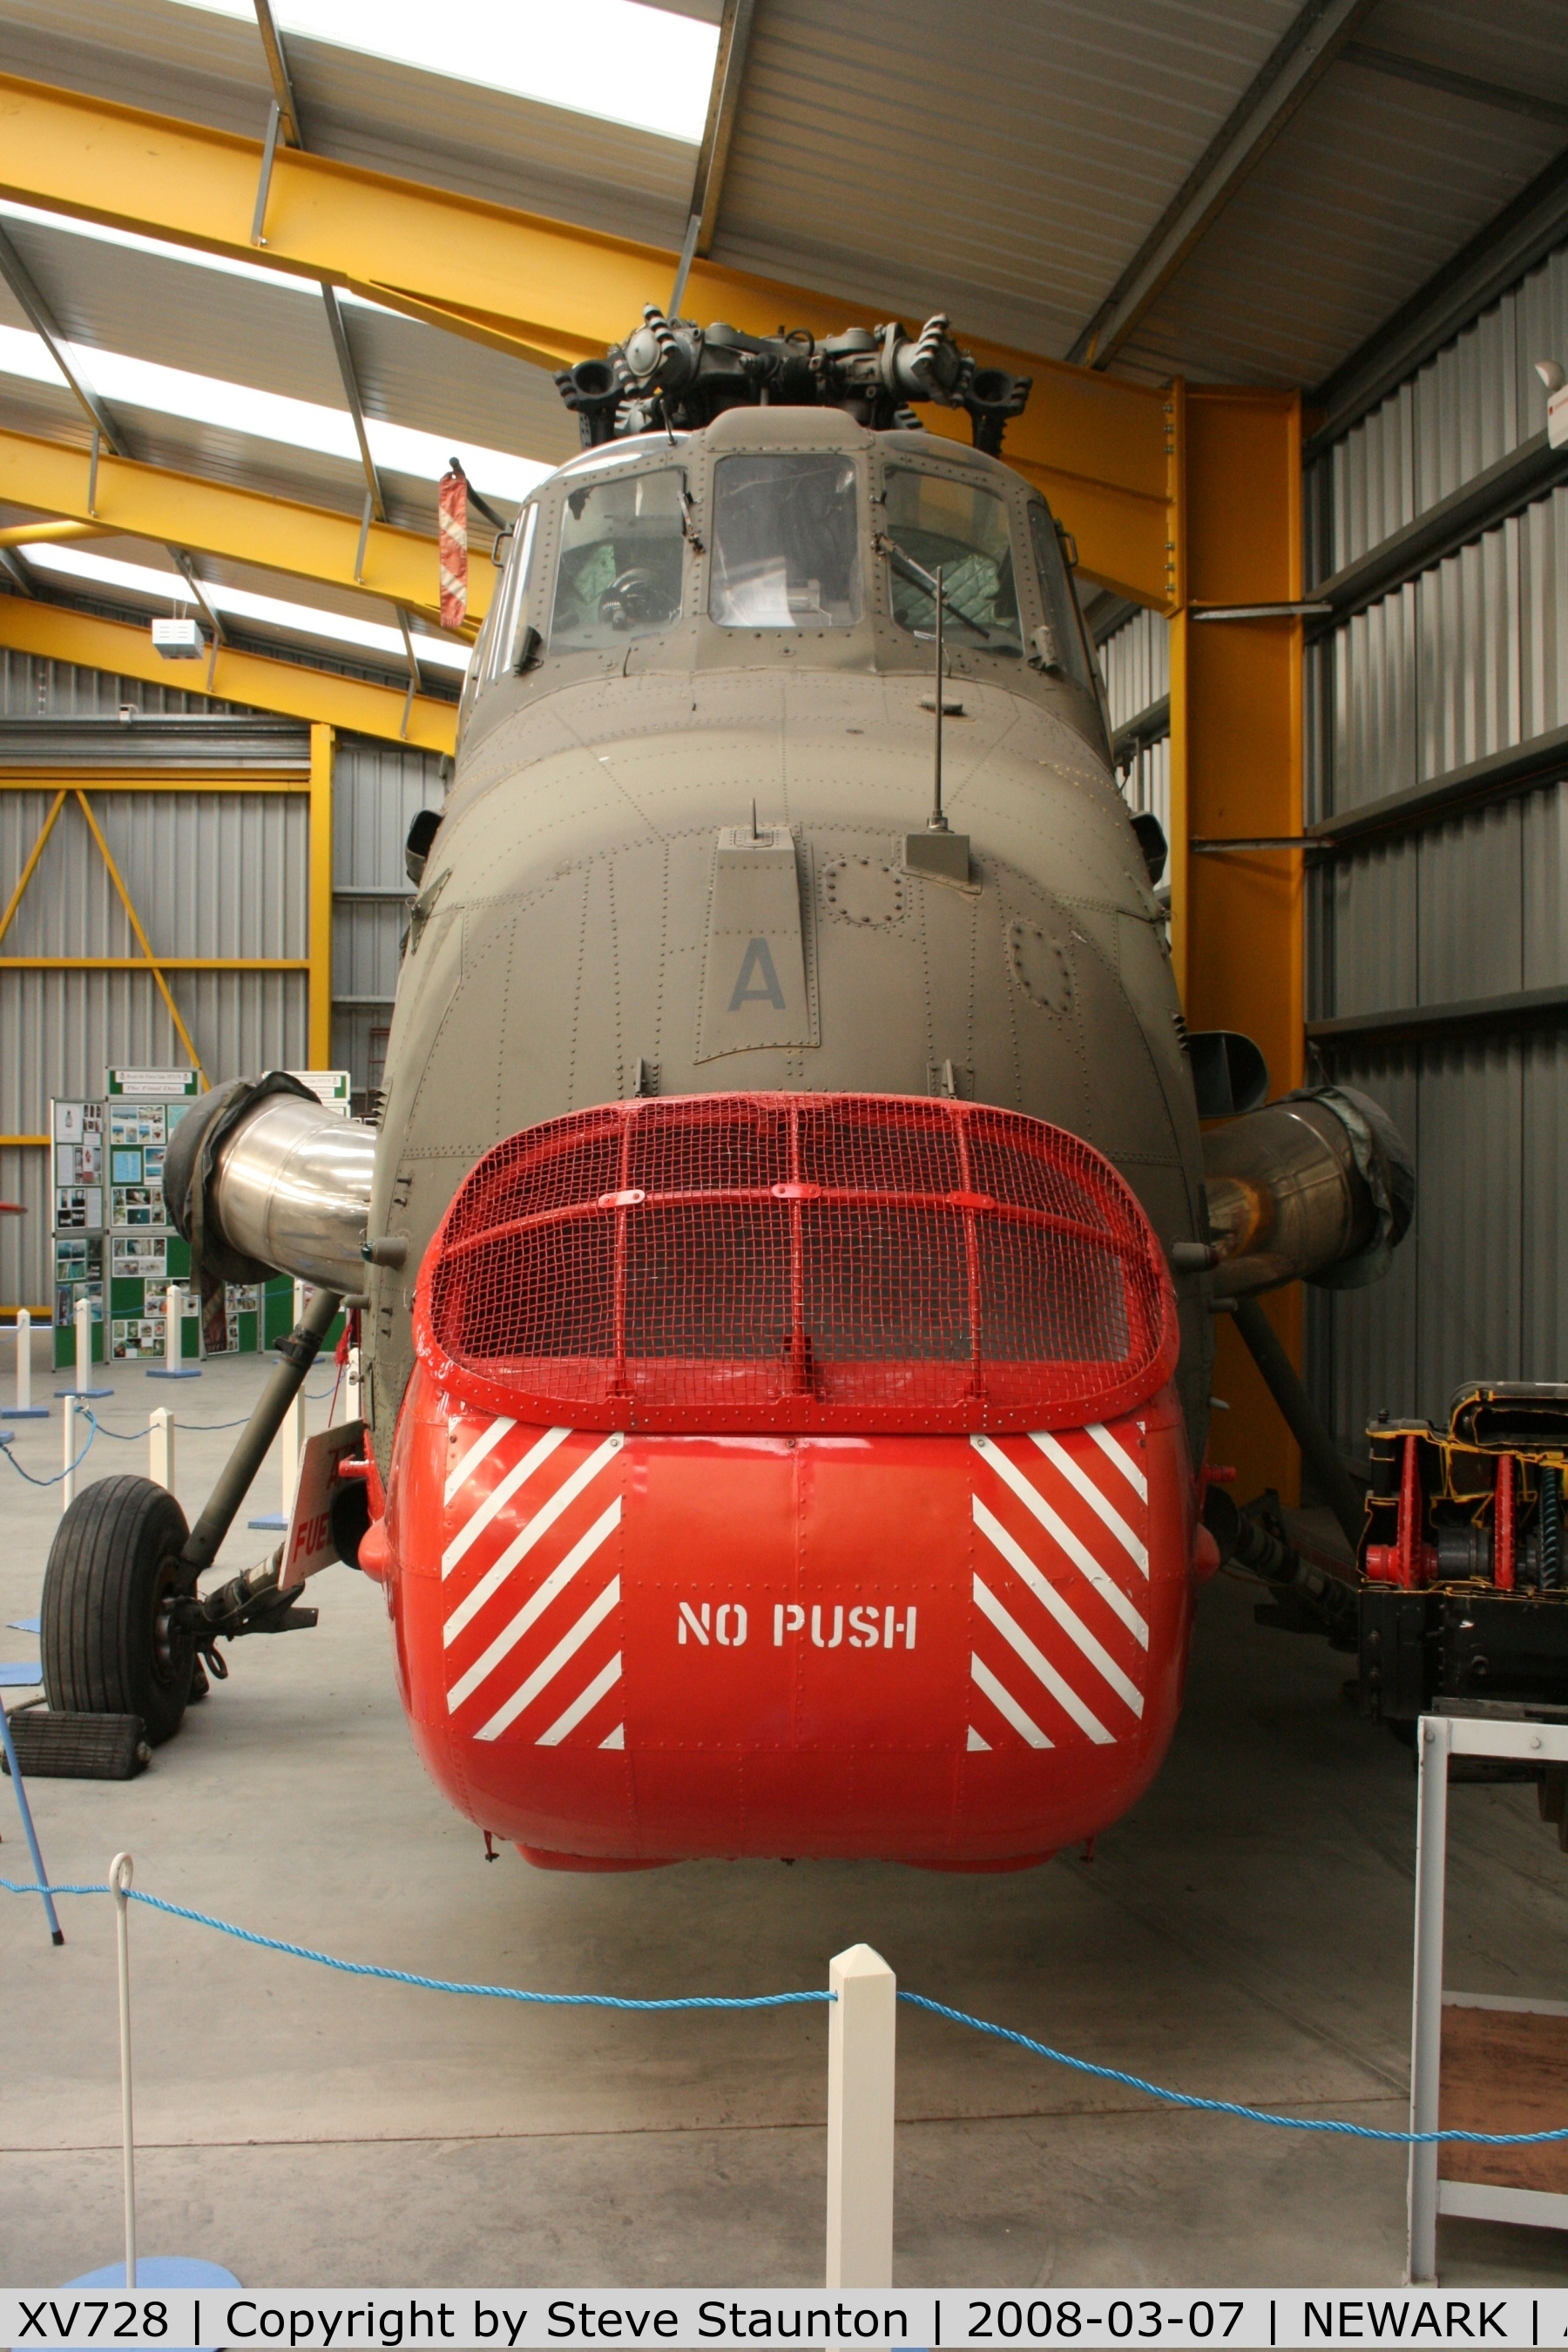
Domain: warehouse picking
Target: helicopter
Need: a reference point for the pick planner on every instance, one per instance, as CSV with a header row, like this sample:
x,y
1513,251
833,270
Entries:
x,y
787,1249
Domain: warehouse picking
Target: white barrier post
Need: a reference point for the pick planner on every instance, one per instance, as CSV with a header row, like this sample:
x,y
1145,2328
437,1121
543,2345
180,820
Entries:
x,y
173,1367
121,1871
82,1385
67,1484
862,2023
161,1447
23,1409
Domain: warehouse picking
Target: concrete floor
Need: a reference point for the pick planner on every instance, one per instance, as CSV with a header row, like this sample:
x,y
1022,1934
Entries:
x,y
1244,1932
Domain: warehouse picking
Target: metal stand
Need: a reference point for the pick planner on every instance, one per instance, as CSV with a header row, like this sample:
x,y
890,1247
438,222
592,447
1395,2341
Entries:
x,y
121,1871
1440,1736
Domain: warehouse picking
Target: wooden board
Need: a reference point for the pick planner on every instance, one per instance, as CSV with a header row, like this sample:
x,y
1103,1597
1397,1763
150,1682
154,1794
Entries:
x,y
1504,2070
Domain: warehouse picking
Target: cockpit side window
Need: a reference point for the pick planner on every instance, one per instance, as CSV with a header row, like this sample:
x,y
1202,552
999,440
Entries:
x,y
620,569
786,542
935,522
1068,648
500,651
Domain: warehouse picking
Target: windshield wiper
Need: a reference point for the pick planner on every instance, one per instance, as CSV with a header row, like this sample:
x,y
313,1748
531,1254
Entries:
x,y
927,580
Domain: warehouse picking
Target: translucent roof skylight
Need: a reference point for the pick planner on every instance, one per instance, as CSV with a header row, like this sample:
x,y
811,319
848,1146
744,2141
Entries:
x,y
647,67
307,620
272,415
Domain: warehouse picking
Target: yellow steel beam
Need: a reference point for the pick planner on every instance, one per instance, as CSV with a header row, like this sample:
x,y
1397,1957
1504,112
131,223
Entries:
x,y
320,904
24,1142
214,518
153,780
134,919
55,634
153,964
18,534
34,855
1236,773
1101,449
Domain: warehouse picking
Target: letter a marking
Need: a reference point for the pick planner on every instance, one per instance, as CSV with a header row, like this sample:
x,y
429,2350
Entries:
x,y
758,959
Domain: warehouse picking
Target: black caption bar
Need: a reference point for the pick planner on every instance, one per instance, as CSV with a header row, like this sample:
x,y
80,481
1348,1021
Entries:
x,y
386,2319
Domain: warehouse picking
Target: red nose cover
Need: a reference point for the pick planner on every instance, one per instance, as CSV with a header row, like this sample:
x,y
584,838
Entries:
x,y
958,1641
957,1650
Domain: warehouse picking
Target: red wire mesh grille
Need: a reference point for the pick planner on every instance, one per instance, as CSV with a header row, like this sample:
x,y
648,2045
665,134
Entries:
x,y
797,1261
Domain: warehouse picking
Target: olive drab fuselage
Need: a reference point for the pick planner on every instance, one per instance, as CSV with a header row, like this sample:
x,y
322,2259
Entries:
x,y
675,860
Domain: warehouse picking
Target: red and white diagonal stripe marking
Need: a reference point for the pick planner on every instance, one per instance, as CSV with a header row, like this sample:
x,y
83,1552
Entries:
x,y
530,1586
1060,1588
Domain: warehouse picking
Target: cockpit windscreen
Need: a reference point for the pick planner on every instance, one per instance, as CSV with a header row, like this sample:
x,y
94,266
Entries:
x,y
785,542
934,521
619,576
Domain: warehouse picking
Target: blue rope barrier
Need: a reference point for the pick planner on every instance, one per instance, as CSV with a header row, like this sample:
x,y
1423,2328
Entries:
x,y
60,1474
203,1428
799,1999
437,1984
1225,2106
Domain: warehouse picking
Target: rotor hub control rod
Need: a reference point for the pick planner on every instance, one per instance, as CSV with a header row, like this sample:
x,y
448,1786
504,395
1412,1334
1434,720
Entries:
x,y
299,1352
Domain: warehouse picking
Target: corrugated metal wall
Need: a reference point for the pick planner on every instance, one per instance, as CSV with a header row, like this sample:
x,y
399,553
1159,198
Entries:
x,y
1136,661
211,875
1469,657
378,789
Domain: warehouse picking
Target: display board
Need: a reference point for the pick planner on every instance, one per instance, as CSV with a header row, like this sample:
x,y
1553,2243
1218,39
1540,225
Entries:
x,y
113,1242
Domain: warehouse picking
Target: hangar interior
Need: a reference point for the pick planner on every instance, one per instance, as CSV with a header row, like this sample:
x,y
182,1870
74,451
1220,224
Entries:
x,y
1290,277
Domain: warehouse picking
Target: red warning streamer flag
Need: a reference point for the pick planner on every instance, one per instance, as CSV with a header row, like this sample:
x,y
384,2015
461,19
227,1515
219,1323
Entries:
x,y
453,504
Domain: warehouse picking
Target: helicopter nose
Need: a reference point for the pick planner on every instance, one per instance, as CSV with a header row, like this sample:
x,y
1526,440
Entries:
x,y
793,1475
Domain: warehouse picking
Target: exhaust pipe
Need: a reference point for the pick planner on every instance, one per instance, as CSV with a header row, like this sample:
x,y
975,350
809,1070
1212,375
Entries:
x,y
260,1177
1317,1187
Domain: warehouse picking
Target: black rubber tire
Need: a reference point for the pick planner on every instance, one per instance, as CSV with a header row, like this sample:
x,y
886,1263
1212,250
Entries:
x,y
113,1563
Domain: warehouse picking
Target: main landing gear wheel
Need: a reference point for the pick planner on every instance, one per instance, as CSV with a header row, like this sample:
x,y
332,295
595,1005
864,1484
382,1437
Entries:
x,y
109,1642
